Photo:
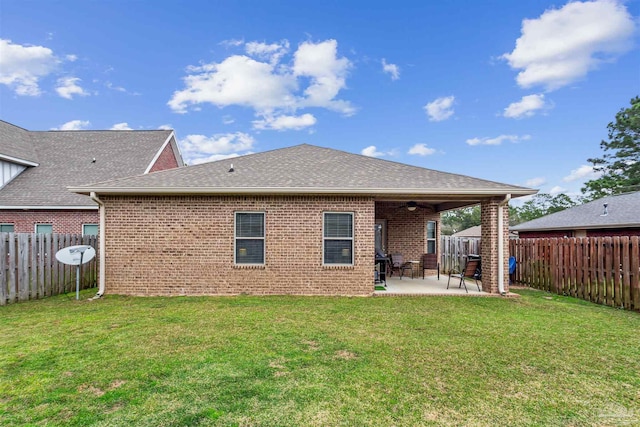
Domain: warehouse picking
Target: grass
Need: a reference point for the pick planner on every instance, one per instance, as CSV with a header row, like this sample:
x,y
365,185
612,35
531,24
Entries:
x,y
319,361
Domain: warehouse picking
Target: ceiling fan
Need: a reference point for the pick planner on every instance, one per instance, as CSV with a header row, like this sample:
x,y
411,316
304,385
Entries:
x,y
412,206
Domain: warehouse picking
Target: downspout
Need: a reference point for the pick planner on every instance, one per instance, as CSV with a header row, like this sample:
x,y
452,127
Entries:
x,y
101,286
501,244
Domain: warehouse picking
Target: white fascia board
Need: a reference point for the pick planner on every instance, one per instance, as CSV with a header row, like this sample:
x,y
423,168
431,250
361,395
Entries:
x,y
299,190
157,155
18,161
68,208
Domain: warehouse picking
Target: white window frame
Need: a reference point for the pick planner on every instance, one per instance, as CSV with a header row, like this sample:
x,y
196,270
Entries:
x,y
352,238
263,238
11,224
35,227
433,239
90,223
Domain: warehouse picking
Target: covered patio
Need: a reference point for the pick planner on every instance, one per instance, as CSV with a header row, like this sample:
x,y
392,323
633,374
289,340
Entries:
x,y
430,285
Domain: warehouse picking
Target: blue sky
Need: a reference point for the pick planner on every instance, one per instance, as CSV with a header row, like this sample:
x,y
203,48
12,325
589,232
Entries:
x,y
516,92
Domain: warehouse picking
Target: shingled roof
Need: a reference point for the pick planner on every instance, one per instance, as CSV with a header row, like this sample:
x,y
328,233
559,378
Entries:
x,y
623,211
16,145
304,169
66,158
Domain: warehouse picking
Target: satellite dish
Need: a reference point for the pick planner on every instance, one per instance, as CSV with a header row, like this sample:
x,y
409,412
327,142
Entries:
x,y
76,255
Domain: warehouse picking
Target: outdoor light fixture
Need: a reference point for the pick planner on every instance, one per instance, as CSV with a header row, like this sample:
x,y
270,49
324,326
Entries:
x,y
412,206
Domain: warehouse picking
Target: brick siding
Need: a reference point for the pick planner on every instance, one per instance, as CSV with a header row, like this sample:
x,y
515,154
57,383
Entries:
x,y
406,230
63,221
489,246
166,160
185,246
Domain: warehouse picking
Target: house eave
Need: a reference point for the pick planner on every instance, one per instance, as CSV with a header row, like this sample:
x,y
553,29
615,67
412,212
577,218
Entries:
x,y
17,160
372,192
53,207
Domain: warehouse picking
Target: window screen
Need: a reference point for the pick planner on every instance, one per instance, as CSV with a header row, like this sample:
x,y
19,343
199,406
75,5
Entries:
x,y
338,238
249,238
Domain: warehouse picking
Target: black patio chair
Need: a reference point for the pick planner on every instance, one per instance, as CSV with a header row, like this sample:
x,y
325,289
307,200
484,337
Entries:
x,y
470,270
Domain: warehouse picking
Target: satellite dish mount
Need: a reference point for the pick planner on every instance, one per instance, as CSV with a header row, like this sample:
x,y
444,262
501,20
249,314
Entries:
x,y
76,255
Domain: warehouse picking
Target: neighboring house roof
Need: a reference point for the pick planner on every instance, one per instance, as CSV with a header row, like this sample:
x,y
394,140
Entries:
x,y
475,231
66,158
306,169
623,211
16,145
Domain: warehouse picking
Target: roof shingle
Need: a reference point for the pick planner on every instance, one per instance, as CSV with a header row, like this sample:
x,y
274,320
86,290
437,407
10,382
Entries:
x,y
66,159
622,211
302,169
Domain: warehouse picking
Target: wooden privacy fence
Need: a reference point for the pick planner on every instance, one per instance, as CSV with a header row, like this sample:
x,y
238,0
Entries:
x,y
29,268
604,270
453,251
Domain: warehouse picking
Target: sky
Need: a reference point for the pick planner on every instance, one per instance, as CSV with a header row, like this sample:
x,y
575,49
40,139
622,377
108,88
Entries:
x,y
518,92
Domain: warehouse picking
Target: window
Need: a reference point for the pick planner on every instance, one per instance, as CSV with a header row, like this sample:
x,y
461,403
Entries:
x,y
249,238
431,237
6,228
338,238
90,229
44,228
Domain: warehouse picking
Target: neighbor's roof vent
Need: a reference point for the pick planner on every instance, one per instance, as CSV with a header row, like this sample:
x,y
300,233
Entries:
x,y
606,212
231,168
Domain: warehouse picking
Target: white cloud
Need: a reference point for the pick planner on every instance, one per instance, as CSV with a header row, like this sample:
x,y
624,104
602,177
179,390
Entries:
x,y
238,80
200,148
227,120
440,109
391,69
526,107
535,182
74,125
285,122
272,52
421,150
557,190
371,151
68,86
121,126
498,140
22,66
231,43
563,45
71,58
328,73
583,172
272,87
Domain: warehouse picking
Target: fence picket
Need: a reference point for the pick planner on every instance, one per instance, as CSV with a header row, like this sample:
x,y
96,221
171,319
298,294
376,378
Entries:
x,y
29,269
603,270
635,272
4,237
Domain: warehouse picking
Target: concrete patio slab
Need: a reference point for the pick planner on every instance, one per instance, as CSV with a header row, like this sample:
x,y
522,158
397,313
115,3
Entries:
x,y
430,285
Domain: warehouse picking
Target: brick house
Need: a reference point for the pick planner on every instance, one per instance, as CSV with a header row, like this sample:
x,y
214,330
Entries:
x,y
38,166
609,216
300,220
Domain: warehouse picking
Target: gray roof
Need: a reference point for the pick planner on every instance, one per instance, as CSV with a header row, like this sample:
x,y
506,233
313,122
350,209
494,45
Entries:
x,y
65,158
623,211
15,143
475,231
305,169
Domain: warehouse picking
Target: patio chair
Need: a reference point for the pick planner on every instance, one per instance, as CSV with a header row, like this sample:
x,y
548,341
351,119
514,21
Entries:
x,y
398,265
470,270
429,262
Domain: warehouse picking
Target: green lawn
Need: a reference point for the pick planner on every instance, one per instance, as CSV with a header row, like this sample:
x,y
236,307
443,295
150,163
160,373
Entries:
x,y
319,361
